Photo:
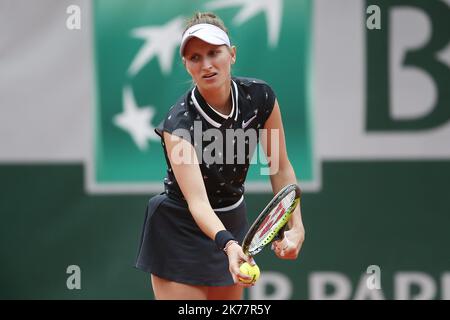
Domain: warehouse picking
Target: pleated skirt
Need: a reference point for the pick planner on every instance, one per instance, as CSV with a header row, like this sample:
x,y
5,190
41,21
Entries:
x,y
173,247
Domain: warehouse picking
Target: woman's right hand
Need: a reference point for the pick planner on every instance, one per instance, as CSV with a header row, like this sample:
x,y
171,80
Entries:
x,y
236,257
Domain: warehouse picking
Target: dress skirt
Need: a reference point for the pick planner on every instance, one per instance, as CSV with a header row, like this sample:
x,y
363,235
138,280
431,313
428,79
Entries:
x,y
173,247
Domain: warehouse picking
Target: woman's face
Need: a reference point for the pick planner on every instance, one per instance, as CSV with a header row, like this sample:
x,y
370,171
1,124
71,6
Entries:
x,y
208,64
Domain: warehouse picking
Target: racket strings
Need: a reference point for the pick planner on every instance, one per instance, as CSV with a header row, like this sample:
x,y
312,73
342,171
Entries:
x,y
275,220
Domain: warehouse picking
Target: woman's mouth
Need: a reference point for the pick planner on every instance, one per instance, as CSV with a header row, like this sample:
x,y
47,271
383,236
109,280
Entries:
x,y
209,75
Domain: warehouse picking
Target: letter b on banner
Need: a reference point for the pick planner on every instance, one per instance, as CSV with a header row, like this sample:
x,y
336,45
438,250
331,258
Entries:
x,y
407,77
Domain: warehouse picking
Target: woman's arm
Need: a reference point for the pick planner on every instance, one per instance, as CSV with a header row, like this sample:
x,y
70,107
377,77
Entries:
x,y
282,174
184,162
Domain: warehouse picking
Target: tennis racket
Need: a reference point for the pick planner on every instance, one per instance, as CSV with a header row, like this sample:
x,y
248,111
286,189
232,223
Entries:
x,y
271,222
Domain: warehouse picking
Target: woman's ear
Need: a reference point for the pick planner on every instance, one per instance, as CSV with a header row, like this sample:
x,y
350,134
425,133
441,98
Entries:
x,y
233,54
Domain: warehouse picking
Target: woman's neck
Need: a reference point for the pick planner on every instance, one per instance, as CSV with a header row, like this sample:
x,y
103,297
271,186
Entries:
x,y
219,99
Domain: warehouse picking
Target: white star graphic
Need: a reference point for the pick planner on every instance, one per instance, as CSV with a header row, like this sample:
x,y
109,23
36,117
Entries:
x,y
272,8
161,41
136,121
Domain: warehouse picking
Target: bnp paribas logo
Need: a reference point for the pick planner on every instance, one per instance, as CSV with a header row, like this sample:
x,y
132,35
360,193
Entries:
x,y
139,76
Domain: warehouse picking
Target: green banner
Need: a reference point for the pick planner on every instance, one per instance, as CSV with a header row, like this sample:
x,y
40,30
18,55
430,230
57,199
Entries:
x,y
140,76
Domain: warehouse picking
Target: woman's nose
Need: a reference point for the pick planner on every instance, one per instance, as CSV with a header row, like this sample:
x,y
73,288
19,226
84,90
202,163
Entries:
x,y
207,63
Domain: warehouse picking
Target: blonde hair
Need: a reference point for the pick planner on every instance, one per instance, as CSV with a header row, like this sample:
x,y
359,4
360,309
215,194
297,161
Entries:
x,y
205,17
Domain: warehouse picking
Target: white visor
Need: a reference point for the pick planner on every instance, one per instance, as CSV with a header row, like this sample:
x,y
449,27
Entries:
x,y
206,32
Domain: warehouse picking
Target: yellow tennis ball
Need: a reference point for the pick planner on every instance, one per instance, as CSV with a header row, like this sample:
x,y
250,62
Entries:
x,y
252,271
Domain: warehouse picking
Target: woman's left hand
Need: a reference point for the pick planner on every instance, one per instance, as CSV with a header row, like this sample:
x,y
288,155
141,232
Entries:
x,y
290,245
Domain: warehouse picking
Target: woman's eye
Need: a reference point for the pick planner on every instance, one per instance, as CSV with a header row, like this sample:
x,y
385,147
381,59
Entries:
x,y
195,58
213,53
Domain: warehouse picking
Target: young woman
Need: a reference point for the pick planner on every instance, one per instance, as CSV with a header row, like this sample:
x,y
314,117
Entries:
x,y
192,232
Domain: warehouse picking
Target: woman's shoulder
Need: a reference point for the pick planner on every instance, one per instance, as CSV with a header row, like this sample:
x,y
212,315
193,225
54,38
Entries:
x,y
182,108
256,88
257,95
180,115
249,82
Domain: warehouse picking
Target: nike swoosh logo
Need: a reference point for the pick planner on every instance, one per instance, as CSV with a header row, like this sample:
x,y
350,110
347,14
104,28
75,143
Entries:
x,y
245,124
192,32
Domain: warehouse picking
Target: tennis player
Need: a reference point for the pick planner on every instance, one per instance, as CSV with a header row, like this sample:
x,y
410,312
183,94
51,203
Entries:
x,y
192,232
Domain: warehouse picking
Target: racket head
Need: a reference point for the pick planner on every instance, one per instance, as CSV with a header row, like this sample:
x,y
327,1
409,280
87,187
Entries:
x,y
271,220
